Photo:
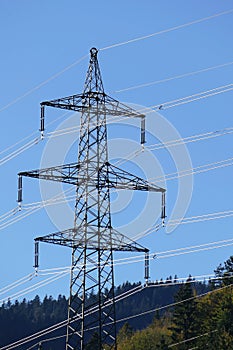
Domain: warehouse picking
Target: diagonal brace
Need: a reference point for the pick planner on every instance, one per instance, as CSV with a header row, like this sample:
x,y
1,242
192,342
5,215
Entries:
x,y
115,177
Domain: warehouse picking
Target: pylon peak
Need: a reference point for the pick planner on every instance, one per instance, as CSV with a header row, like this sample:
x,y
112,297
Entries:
x,y
93,52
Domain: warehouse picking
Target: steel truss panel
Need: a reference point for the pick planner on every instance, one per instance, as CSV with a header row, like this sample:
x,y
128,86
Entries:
x,y
101,237
93,102
107,176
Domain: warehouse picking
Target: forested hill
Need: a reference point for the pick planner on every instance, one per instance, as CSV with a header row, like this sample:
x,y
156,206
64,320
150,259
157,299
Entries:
x,y
18,320
207,320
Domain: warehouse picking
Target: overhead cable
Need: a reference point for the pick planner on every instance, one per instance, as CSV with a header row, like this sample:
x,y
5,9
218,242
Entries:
x,y
166,30
43,83
165,105
110,47
129,260
174,77
157,107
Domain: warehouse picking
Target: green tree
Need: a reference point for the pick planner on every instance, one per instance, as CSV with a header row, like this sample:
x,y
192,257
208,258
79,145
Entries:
x,y
225,272
184,315
125,333
215,312
162,344
154,337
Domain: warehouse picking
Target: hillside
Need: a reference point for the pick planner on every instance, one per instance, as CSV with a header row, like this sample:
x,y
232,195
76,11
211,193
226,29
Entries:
x,y
198,312
28,317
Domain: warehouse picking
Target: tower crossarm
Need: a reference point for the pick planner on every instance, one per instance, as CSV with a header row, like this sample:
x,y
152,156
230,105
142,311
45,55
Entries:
x,y
67,173
115,177
88,100
72,103
95,238
109,176
94,102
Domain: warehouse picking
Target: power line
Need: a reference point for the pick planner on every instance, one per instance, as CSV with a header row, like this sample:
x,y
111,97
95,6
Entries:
x,y
177,142
24,147
171,176
177,281
190,220
107,48
17,143
31,208
169,346
35,335
169,305
165,105
203,217
196,246
192,138
17,99
17,283
191,171
36,286
182,220
190,339
160,106
195,250
166,30
194,97
59,325
8,214
174,77
30,277
47,340
173,304
19,151
122,261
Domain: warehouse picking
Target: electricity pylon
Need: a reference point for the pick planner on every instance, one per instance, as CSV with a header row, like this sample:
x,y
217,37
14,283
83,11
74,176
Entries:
x,y
92,239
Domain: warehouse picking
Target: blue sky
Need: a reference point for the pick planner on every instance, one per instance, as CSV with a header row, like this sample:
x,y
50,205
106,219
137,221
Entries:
x,y
41,38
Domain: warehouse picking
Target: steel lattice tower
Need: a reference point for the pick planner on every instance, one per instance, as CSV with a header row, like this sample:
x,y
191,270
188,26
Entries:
x,y
92,239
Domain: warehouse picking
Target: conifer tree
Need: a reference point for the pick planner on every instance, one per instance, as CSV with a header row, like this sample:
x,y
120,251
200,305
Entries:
x,y
184,315
225,272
